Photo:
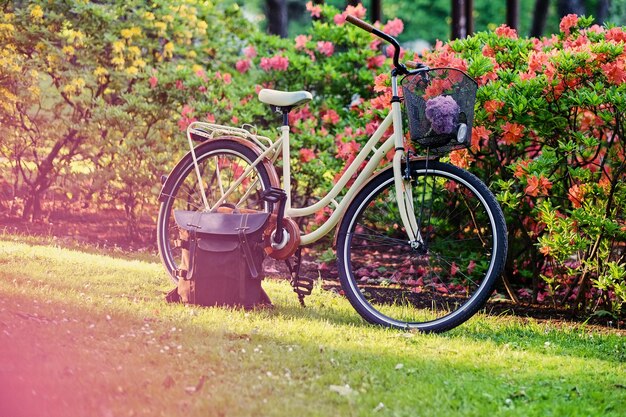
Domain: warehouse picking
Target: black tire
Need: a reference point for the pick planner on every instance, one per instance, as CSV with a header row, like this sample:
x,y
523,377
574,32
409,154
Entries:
x,y
181,191
440,283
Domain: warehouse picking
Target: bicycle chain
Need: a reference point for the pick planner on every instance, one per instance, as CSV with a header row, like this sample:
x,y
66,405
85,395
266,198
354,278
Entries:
x,y
302,286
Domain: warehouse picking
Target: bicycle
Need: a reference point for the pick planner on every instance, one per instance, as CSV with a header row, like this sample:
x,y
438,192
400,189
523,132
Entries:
x,y
419,243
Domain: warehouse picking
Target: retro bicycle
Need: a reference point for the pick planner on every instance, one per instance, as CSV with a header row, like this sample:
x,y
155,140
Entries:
x,y
419,244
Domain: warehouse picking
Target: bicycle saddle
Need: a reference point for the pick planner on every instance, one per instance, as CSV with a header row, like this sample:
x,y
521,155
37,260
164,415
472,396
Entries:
x,y
284,98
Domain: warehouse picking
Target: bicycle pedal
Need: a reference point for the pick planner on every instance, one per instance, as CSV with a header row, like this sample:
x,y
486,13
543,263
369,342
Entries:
x,y
303,286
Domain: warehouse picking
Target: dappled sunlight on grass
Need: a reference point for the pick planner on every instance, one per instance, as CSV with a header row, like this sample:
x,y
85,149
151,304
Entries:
x,y
92,335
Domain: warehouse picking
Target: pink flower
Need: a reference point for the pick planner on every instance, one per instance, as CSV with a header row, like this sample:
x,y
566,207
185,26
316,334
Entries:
x,y
234,120
180,85
301,41
394,27
325,47
316,10
249,52
371,127
210,118
471,266
567,23
242,65
187,110
153,81
454,269
356,11
278,63
227,78
202,75
339,19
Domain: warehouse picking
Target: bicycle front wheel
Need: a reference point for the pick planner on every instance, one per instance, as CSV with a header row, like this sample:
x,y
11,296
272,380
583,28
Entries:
x,y
222,164
444,277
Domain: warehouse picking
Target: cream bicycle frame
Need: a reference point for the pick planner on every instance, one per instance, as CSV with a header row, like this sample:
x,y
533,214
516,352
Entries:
x,y
281,147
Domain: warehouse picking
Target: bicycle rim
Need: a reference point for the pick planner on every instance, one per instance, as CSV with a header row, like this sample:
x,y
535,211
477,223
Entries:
x,y
220,165
434,284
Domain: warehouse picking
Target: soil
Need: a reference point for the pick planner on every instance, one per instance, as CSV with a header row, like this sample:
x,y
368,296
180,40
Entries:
x,y
108,230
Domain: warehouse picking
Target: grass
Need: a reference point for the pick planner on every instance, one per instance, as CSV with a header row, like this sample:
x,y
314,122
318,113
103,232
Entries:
x,y
89,334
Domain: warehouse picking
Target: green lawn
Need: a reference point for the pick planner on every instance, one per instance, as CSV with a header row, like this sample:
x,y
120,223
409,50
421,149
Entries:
x,y
83,334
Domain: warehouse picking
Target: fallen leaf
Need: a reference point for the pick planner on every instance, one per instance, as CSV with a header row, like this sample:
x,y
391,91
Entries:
x,y
168,382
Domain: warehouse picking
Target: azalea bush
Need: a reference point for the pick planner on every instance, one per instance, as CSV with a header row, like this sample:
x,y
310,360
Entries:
x,y
334,60
549,137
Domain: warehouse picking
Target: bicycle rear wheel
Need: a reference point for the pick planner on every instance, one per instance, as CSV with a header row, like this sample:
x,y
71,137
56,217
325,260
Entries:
x,y
438,282
221,163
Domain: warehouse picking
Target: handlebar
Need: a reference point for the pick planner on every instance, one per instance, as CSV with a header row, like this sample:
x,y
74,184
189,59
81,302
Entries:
x,y
400,68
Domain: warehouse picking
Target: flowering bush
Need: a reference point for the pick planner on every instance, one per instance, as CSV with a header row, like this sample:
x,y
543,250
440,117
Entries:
x,y
549,135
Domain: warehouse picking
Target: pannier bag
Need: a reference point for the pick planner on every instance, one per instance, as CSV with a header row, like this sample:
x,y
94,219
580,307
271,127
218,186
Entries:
x,y
222,259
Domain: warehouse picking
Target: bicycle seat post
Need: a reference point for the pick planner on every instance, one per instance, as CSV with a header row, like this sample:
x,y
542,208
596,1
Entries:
x,y
284,110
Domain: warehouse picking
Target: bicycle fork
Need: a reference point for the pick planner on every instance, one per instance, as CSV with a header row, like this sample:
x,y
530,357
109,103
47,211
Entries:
x,y
404,194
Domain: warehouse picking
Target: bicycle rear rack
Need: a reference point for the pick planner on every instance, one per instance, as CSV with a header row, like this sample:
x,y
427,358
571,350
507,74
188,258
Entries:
x,y
211,131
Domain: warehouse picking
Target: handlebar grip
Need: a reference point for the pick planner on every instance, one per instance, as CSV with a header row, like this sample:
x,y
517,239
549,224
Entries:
x,y
358,22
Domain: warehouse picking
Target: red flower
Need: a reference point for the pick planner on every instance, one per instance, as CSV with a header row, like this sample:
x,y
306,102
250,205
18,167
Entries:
x,y
480,134
615,72
576,195
153,81
506,32
512,133
306,154
376,61
381,82
460,158
538,185
493,106
331,117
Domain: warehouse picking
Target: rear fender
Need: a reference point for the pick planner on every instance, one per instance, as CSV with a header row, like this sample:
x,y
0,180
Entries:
x,y
169,183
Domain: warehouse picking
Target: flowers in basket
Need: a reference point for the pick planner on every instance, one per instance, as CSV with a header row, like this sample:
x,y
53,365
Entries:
x,y
443,114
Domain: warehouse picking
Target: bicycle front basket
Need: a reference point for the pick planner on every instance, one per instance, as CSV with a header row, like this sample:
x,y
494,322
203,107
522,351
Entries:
x,y
440,108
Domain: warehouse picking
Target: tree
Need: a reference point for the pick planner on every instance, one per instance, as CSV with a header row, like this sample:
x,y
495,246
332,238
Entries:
x,y
94,92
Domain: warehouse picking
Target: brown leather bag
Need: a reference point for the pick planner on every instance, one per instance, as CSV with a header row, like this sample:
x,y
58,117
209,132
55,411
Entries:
x,y
222,259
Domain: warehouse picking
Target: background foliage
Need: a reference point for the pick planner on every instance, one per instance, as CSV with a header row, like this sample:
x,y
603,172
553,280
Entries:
x,y
95,96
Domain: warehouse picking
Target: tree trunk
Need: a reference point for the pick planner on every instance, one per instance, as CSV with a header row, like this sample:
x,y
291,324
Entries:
x,y
512,14
566,7
469,16
459,19
602,12
539,18
276,13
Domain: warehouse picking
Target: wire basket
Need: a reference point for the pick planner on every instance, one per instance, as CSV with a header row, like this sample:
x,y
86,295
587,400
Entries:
x,y
439,104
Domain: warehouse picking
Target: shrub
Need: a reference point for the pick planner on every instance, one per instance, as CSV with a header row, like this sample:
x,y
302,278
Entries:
x,y
549,135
